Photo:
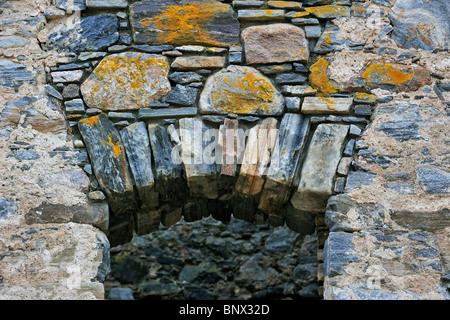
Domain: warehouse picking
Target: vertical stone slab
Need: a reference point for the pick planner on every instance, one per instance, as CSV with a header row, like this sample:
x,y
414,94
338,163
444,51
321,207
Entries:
x,y
319,168
227,154
199,164
292,135
137,147
257,157
168,171
109,164
147,221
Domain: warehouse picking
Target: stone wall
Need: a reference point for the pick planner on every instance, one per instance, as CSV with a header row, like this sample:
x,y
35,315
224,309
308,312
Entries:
x,y
342,106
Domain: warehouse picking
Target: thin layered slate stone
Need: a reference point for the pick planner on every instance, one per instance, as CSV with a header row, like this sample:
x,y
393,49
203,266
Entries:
x,y
137,147
203,22
168,168
329,11
109,164
421,24
127,81
315,105
319,168
256,160
200,168
241,90
285,162
275,43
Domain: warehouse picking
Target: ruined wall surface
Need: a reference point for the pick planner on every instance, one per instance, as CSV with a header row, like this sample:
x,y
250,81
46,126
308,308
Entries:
x,y
95,94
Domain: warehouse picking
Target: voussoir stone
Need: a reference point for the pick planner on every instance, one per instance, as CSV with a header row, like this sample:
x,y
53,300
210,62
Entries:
x,y
241,90
127,81
202,22
275,43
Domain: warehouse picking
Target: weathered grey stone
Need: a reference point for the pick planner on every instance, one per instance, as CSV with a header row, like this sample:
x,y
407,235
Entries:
x,y
185,77
14,75
121,294
298,90
13,42
96,214
137,147
315,105
108,159
313,31
421,24
260,15
200,168
168,168
92,33
71,5
256,159
400,188
290,78
241,90
429,221
338,215
247,3
433,180
7,208
51,91
67,76
201,22
293,104
275,43
319,168
26,155
338,253
107,4
275,69
145,114
284,163
331,11
127,81
182,96
74,106
358,179
281,240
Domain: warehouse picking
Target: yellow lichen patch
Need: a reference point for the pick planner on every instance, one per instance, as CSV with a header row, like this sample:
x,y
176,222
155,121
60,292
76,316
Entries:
x,y
242,95
328,10
384,73
186,24
115,147
129,76
361,96
299,14
90,121
318,78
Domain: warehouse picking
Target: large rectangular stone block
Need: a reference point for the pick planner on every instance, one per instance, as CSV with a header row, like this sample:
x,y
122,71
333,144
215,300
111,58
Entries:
x,y
319,168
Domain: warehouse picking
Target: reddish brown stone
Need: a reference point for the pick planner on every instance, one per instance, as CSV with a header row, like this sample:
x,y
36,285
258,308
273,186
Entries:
x,y
275,43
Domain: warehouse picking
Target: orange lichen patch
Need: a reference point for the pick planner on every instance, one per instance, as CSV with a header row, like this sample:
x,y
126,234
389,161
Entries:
x,y
299,14
186,24
361,96
115,147
384,73
421,31
90,121
328,10
284,4
242,95
319,80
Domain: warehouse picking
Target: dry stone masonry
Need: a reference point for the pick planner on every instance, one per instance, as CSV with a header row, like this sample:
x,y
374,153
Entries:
x,y
327,117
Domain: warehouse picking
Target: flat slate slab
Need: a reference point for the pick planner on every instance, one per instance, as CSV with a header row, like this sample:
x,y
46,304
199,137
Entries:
x,y
127,81
241,90
315,105
203,22
319,168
